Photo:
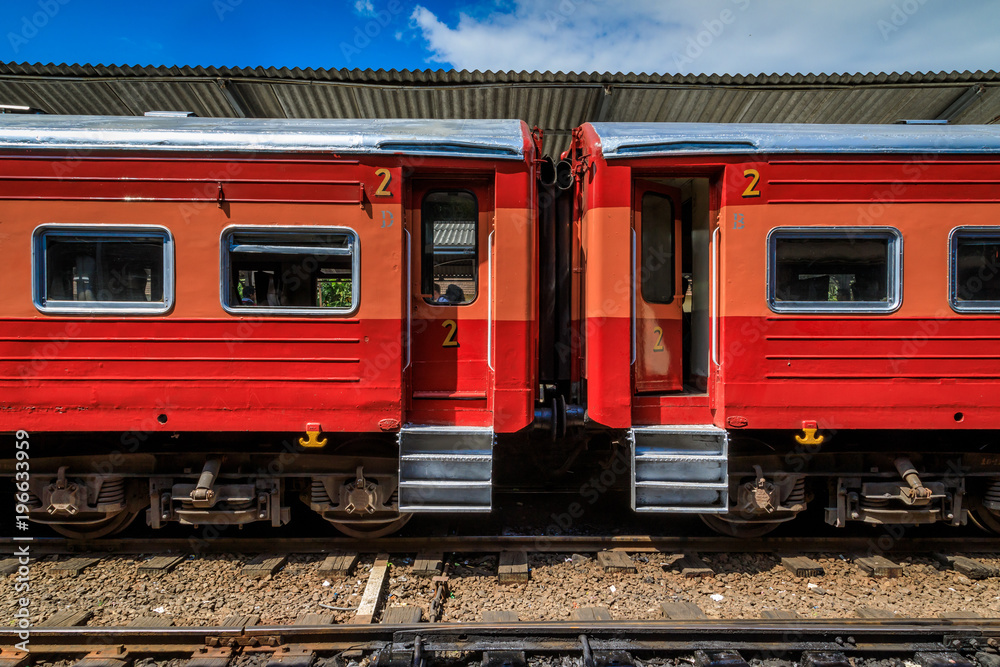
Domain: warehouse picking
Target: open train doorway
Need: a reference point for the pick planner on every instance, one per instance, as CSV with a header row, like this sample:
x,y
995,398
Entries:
x,y
672,227
450,283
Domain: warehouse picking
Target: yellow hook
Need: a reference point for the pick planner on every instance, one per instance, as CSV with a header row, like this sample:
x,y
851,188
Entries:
x,y
809,436
313,431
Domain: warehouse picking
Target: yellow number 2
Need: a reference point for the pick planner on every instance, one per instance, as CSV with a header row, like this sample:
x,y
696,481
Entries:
x,y
754,177
658,345
450,340
382,190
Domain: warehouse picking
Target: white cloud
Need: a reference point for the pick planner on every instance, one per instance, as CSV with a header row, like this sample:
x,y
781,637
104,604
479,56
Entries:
x,y
364,7
717,36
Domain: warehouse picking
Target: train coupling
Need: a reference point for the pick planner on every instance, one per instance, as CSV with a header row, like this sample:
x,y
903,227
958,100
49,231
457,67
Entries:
x,y
558,416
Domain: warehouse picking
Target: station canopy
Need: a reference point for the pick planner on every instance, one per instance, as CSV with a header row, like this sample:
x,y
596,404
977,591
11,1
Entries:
x,y
554,101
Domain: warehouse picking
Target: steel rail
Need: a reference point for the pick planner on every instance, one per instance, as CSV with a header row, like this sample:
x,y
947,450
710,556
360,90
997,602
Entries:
x,y
876,544
850,636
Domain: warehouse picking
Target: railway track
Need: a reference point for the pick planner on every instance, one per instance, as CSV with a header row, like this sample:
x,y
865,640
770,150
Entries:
x,y
448,603
706,643
452,581
489,544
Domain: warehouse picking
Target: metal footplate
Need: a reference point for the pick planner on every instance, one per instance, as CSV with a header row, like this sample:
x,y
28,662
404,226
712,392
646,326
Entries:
x,y
680,469
445,469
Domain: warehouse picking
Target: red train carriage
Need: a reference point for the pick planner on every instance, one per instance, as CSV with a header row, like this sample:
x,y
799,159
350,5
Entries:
x,y
744,284
203,316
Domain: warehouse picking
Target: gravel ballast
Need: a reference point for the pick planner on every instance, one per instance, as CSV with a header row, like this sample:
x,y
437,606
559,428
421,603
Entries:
x,y
204,590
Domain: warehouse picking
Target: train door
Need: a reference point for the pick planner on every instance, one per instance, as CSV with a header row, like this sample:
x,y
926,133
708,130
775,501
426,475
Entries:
x,y
450,294
657,328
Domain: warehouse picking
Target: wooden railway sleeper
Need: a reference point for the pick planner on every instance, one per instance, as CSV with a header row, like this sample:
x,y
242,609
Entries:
x,y
719,658
10,657
504,659
293,655
941,659
211,656
825,659
115,656
605,657
403,652
613,658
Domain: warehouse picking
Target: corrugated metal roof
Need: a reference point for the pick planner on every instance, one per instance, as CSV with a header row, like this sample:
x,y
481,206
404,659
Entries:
x,y
555,101
455,233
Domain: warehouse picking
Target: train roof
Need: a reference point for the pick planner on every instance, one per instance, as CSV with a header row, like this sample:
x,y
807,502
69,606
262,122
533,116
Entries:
x,y
621,140
502,139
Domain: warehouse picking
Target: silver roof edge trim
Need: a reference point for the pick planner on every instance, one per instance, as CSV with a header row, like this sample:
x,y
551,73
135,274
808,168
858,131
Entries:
x,y
498,139
630,140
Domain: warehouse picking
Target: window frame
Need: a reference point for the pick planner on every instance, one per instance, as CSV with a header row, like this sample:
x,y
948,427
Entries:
x,y
976,231
673,247
39,267
225,269
894,282
476,245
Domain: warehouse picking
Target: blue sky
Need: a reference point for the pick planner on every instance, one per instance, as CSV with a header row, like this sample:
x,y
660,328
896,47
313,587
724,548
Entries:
x,y
651,36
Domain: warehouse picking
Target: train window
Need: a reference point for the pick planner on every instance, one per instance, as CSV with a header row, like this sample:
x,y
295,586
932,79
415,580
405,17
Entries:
x,y
657,248
290,270
93,269
449,228
975,269
816,269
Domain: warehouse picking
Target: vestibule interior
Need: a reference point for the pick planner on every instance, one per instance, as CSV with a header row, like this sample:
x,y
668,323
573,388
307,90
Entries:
x,y
696,243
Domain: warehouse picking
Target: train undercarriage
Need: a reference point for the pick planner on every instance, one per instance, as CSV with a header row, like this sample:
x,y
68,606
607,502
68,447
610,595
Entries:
x,y
751,488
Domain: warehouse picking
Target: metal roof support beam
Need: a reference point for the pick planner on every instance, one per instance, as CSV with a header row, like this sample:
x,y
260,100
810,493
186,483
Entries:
x,y
234,98
606,102
962,102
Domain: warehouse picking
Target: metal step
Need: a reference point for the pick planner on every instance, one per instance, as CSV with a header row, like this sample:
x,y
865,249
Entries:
x,y
445,469
682,469
676,458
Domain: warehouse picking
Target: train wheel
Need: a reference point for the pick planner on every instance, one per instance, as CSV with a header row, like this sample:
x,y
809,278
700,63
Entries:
x,y
92,531
368,447
985,519
371,530
745,530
